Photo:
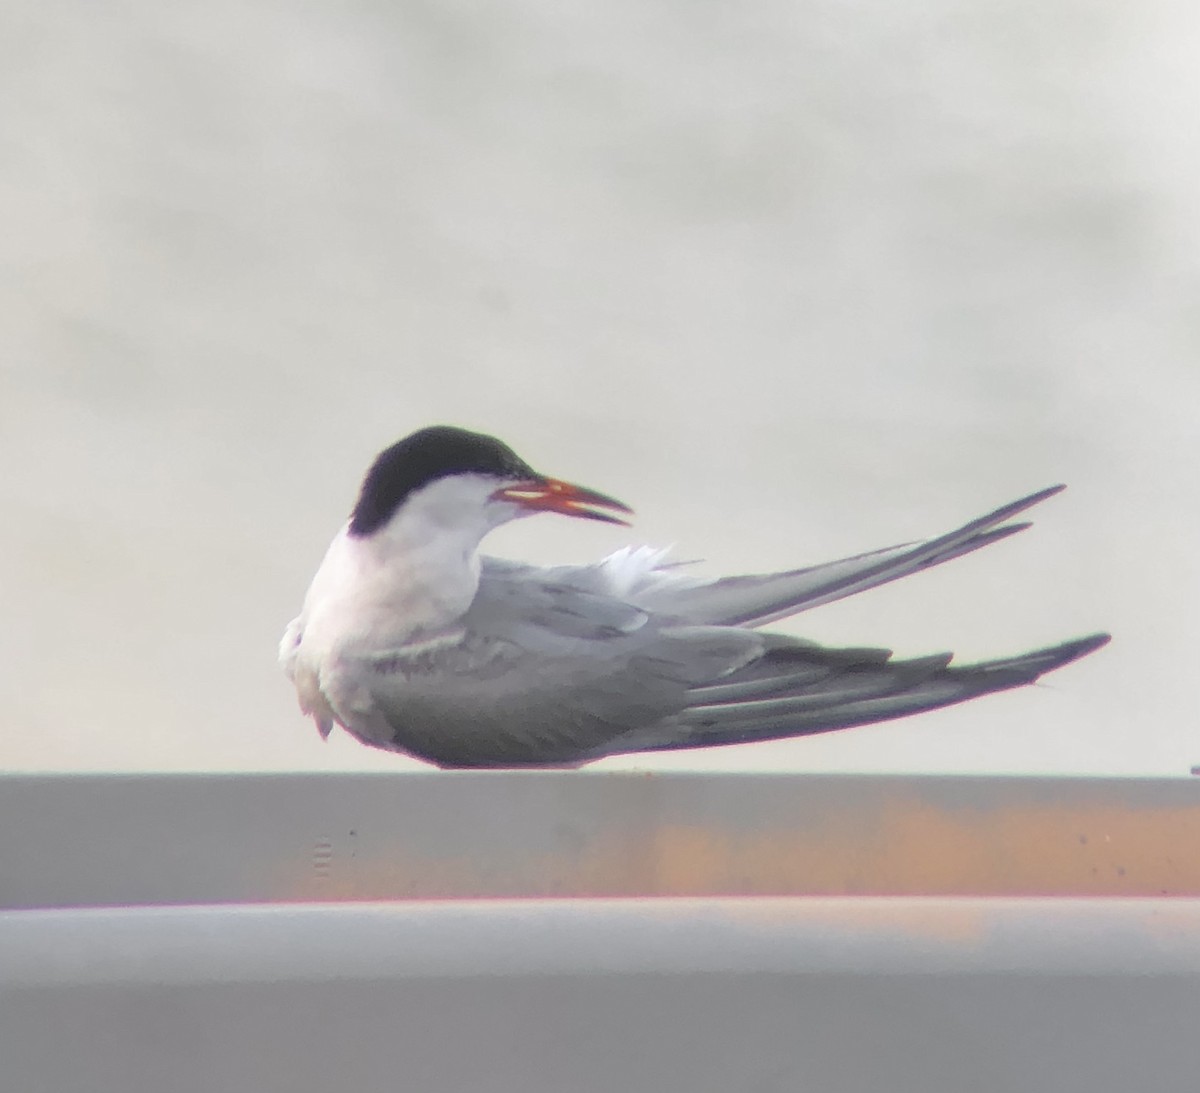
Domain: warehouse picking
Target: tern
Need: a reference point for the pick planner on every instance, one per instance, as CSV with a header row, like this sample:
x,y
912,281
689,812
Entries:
x,y
413,641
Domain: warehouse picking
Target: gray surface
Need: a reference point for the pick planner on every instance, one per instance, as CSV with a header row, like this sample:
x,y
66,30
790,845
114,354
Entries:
x,y
146,839
316,987
794,279
780,995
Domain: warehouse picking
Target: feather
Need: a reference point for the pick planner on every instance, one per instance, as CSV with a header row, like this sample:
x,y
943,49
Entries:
x,y
759,599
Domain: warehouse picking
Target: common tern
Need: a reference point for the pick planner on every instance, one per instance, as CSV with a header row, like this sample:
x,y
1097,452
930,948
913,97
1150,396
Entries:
x,y
414,642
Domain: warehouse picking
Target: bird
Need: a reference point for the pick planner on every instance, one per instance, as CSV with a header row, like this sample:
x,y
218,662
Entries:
x,y
413,641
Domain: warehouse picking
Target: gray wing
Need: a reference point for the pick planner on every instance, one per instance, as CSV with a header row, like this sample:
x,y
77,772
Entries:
x,y
760,599
800,690
557,688
544,674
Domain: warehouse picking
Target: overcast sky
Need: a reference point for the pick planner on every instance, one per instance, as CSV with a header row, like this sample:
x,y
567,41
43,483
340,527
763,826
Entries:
x,y
796,280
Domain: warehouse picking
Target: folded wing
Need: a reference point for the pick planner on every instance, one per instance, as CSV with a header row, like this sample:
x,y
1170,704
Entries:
x,y
760,599
798,689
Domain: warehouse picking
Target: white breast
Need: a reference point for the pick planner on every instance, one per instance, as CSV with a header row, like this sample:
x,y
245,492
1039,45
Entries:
x,y
402,588
368,597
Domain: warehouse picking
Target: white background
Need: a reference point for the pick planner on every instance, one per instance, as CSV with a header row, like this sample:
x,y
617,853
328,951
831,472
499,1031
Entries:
x,y
796,280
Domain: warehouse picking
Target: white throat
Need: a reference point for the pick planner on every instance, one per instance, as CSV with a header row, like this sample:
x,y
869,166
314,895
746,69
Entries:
x,y
411,580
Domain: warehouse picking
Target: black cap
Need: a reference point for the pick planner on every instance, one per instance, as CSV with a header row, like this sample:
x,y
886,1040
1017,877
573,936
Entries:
x,y
424,457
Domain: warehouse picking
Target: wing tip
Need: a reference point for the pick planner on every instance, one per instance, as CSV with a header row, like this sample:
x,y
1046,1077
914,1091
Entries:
x,y
1035,498
1080,647
1058,656
1043,494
